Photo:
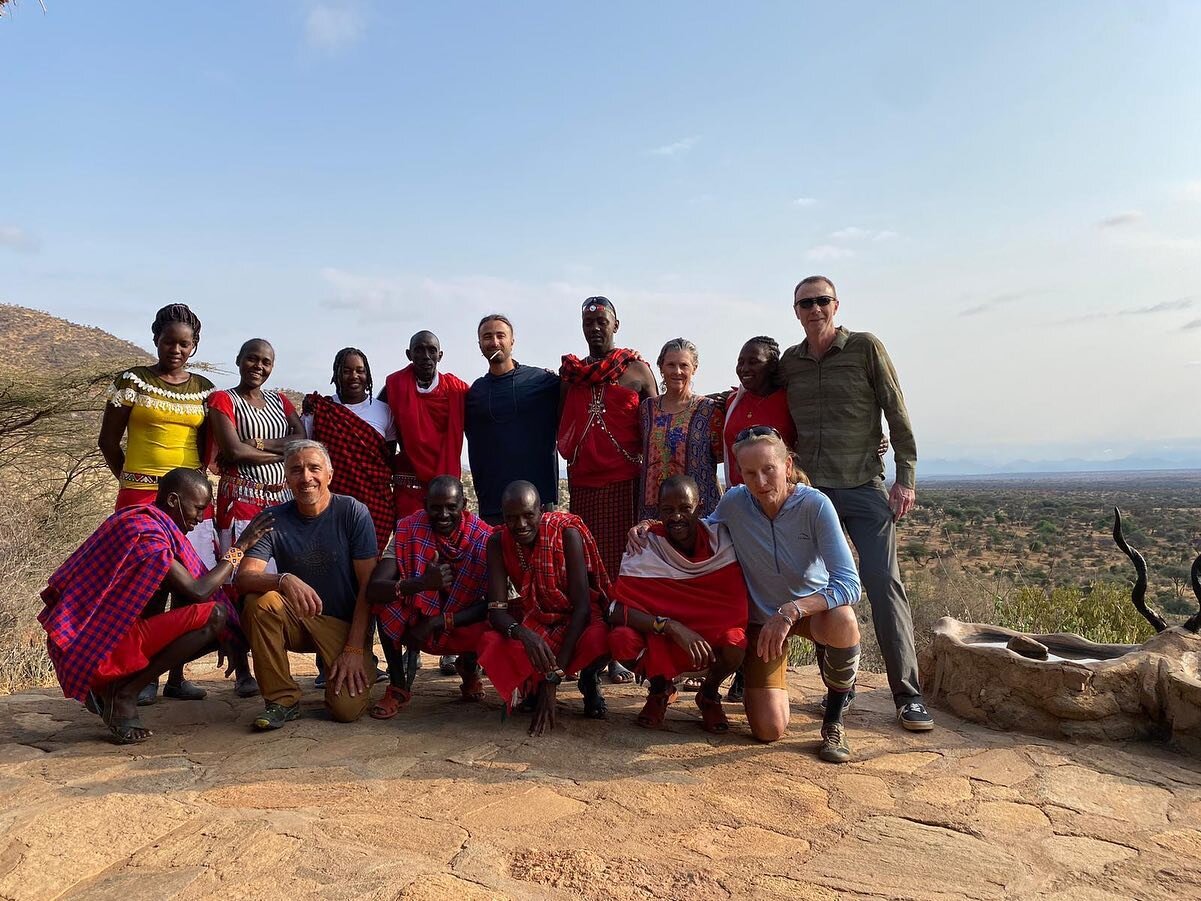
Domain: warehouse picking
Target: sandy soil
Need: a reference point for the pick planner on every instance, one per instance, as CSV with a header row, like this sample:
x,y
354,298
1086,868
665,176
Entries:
x,y
449,801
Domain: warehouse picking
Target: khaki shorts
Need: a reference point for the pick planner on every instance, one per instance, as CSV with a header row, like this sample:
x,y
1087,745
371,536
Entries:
x,y
773,674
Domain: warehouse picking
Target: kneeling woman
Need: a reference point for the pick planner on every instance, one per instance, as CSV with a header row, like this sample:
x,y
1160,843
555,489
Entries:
x,y
802,581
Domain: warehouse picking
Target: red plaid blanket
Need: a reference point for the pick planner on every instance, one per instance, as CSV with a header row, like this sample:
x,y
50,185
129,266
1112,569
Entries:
x,y
94,598
418,546
360,459
540,575
609,368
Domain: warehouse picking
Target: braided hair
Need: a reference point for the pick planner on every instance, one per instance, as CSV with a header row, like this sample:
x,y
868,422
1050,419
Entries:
x,y
770,345
175,312
340,358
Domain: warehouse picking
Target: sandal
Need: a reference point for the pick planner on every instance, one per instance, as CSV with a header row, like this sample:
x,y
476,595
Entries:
x,y
654,710
618,674
472,689
395,698
595,707
125,730
713,717
692,684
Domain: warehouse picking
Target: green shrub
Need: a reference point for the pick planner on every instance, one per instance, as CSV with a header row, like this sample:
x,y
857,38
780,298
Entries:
x,y
1101,612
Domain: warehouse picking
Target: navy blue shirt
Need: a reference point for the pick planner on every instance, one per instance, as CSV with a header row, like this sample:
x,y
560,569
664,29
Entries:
x,y
321,550
512,424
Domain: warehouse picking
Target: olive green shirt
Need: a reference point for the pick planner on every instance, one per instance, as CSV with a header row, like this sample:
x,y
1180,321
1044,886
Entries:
x,y
836,404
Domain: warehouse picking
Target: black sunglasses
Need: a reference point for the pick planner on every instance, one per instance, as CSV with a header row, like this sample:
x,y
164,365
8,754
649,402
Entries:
x,y
807,303
756,431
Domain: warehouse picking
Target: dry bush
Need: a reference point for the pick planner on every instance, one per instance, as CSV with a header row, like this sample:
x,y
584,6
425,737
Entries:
x,y
54,491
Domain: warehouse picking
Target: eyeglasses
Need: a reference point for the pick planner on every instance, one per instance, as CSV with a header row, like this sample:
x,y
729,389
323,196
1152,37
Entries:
x,y
806,303
756,431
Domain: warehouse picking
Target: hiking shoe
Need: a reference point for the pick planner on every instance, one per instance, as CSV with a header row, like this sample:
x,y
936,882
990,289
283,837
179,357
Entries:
x,y
275,716
446,664
319,682
915,717
846,705
834,747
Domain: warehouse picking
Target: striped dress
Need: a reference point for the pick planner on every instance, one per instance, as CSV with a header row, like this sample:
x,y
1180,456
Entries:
x,y
247,490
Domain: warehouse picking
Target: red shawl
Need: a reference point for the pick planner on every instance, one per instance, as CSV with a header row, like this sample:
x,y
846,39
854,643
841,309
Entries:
x,y
598,430
540,575
418,546
704,591
360,458
430,425
99,592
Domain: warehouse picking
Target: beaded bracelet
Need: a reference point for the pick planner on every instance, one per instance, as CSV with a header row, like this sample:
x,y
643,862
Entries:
x,y
448,621
234,556
351,649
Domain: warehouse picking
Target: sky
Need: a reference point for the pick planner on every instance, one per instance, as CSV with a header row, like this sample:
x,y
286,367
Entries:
x,y
1009,197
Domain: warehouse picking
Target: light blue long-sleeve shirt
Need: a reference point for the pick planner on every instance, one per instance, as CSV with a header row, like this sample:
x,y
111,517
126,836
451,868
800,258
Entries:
x,y
799,553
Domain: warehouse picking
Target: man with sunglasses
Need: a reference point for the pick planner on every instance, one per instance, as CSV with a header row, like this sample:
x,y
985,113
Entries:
x,y
839,382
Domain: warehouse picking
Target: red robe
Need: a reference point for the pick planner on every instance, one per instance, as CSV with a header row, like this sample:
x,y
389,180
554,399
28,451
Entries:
x,y
430,429
599,434
540,577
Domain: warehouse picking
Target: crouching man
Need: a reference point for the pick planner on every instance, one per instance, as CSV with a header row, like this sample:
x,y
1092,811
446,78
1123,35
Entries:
x,y
554,629
107,633
428,591
323,545
681,606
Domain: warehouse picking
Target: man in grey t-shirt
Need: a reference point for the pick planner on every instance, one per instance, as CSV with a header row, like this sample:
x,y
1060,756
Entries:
x,y
324,547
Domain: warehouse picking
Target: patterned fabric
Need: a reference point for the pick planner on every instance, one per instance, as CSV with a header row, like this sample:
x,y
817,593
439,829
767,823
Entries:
x,y
688,442
417,546
609,368
246,490
744,410
540,576
94,598
598,428
360,459
608,513
164,423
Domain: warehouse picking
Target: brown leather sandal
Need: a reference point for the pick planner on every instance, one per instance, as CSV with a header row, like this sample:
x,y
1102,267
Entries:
x,y
654,710
713,716
394,700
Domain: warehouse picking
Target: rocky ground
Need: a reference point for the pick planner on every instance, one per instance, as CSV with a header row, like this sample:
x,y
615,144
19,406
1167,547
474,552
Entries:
x,y
448,801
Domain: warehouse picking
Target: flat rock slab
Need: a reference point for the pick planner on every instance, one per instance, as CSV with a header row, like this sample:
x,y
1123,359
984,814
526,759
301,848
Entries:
x,y
450,800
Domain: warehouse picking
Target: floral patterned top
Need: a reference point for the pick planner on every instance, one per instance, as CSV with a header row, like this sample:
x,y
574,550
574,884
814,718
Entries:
x,y
688,442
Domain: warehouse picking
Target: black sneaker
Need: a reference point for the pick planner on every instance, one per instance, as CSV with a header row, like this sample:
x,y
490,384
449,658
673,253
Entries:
x,y
275,716
846,705
915,717
834,747
446,664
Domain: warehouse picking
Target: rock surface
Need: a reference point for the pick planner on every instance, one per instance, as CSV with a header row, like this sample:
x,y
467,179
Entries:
x,y
449,801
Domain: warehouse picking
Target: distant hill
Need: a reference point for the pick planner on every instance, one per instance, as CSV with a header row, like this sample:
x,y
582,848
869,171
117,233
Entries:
x,y
30,339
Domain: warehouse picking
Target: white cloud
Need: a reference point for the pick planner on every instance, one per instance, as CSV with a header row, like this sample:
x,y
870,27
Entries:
x,y
681,146
333,26
828,252
1191,326
16,238
805,201
855,233
1192,189
850,233
1130,217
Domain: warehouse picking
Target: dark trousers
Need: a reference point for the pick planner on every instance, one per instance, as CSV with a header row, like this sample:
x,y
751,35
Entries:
x,y
865,513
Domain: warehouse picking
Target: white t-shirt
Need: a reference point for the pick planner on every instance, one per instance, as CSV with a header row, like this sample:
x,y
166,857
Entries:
x,y
375,413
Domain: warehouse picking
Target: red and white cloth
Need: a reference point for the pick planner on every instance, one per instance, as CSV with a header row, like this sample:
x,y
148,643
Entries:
x,y
703,590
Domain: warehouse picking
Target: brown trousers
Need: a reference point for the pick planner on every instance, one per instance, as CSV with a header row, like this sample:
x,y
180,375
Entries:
x,y
273,629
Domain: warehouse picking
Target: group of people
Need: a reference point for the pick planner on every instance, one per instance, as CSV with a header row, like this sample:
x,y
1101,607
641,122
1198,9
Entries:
x,y
349,515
